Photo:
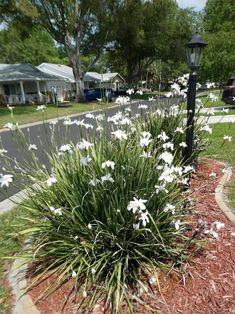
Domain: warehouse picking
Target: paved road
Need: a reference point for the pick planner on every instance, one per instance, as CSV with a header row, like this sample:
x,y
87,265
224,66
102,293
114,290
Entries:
x,y
40,135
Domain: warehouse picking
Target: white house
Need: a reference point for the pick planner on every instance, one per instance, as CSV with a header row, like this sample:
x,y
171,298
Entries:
x,y
25,83
91,79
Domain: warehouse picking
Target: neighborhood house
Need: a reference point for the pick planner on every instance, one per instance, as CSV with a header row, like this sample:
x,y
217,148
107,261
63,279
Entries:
x,y
25,83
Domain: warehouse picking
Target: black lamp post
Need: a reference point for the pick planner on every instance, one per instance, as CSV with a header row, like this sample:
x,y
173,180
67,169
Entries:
x,y
194,54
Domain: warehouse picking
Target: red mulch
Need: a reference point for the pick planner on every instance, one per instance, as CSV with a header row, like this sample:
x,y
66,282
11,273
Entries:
x,y
208,286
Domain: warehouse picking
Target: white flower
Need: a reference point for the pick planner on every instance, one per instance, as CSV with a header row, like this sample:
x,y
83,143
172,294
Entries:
x,y
89,226
3,151
145,134
90,116
210,85
206,128
225,110
169,207
128,109
5,180
210,112
163,136
56,211
161,188
212,97
142,106
32,146
107,164
119,134
9,107
169,94
182,144
41,108
188,169
136,226
140,92
99,117
84,294
68,121
219,225
227,138
177,224
108,177
167,157
88,126
167,175
84,161
122,100
84,144
180,130
144,141
152,280
146,155
144,219
130,91
53,122
80,122
11,126
94,182
125,121
137,205
212,232
99,128
74,274
150,99
51,181
168,145
212,174
65,148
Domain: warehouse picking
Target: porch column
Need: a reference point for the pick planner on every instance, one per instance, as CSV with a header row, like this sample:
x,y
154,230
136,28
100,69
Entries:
x,y
38,90
22,92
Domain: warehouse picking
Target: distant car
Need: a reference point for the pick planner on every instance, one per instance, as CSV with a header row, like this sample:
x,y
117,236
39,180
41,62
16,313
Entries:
x,y
228,95
106,94
121,91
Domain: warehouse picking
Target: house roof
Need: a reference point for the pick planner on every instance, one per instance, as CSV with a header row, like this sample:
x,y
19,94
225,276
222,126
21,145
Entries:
x,y
24,72
60,70
67,73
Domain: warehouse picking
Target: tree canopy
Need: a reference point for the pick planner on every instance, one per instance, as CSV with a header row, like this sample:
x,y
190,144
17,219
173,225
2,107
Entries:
x,y
219,23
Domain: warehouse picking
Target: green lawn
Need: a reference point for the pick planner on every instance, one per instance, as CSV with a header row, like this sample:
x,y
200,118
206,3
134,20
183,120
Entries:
x,y
27,114
225,151
10,244
206,101
218,148
220,113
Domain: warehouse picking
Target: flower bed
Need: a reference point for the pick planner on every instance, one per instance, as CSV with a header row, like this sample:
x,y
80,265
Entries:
x,y
203,285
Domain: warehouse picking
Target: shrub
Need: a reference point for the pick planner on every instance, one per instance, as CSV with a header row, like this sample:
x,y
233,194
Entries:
x,y
109,207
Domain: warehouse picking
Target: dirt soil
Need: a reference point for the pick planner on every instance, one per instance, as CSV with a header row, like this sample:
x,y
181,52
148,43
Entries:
x,y
208,283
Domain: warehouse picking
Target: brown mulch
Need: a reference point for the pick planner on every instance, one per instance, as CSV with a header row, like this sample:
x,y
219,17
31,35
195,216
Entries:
x,y
208,283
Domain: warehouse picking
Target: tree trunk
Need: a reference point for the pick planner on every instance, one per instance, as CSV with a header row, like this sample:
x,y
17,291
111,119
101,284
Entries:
x,y
79,83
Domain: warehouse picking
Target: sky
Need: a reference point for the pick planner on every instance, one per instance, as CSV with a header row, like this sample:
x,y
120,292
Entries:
x,y
197,4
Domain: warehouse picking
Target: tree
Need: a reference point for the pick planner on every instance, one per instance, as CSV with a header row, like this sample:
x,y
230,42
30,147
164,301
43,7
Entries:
x,y
219,15
219,60
146,31
77,25
36,48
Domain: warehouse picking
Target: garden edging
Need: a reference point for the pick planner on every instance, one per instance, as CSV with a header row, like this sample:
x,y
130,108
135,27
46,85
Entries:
x,y
220,195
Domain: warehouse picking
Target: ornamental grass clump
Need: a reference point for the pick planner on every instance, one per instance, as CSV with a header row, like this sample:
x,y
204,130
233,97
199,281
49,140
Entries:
x,y
110,207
